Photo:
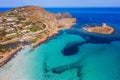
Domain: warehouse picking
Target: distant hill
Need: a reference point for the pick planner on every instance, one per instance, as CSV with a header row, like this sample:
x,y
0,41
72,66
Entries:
x,y
37,12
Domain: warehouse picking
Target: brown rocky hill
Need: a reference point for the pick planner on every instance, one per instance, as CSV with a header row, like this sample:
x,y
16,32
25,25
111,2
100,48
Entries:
x,y
1,13
31,18
29,25
35,11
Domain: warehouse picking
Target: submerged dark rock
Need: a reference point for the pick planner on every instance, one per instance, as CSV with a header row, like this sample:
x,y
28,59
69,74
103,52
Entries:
x,y
72,48
61,69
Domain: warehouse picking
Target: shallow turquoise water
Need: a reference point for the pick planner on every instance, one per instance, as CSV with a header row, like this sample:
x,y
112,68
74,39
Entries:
x,y
98,61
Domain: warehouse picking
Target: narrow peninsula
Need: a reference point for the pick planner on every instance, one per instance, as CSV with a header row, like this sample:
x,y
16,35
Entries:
x,y
28,25
104,29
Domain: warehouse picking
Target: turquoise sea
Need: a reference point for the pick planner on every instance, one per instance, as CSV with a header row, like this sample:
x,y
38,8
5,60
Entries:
x,y
72,54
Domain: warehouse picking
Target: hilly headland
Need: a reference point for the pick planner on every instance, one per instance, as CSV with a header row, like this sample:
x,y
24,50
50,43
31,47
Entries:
x,y
28,25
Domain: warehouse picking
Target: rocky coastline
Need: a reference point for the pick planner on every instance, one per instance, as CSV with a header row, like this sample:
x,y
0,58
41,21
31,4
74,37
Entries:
x,y
53,24
104,29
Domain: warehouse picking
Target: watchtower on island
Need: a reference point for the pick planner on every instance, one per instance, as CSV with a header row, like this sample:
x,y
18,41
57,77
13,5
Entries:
x,y
104,29
104,25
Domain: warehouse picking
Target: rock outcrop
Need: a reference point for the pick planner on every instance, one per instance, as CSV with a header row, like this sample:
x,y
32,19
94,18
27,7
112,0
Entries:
x,y
63,15
104,29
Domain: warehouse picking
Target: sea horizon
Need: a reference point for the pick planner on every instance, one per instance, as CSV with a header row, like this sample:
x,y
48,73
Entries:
x,y
83,9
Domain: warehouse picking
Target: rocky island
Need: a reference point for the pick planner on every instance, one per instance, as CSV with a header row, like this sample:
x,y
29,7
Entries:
x,y
104,29
28,25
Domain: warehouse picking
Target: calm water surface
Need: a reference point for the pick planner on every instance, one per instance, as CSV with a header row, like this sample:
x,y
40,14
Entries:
x,y
72,54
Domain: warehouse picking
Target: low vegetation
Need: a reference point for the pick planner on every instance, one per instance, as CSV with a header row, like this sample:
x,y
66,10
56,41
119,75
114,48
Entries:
x,y
25,24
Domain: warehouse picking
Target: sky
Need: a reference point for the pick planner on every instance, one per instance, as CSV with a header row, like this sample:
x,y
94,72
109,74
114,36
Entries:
x,y
61,3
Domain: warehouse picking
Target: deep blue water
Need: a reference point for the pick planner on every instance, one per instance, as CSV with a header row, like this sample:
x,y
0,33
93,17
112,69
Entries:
x,y
94,16
4,9
73,54
91,15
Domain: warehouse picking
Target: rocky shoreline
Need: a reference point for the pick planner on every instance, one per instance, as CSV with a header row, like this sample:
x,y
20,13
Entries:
x,y
29,25
104,29
10,55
